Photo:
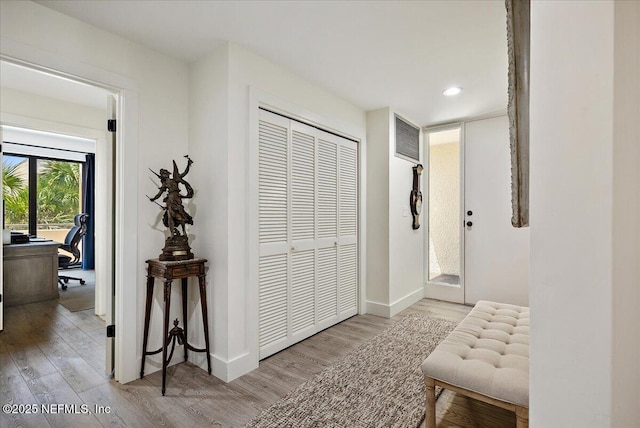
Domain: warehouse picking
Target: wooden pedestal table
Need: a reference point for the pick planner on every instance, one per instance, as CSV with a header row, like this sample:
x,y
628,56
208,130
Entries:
x,y
168,271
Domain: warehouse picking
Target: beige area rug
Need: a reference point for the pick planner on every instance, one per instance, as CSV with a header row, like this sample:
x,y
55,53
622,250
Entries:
x,y
380,384
77,297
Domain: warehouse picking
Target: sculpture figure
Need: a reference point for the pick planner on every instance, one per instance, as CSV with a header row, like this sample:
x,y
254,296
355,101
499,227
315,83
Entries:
x,y
175,216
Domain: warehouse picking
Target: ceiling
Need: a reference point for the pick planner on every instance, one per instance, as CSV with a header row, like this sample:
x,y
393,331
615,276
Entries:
x,y
375,54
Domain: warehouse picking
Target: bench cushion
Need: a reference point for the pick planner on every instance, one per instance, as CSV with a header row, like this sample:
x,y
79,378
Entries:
x,y
488,353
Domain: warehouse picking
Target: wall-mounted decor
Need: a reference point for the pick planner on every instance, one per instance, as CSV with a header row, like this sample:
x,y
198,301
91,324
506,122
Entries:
x,y
415,200
518,38
175,217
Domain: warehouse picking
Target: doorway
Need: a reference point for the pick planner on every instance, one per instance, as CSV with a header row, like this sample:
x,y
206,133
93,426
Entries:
x,y
445,244
55,129
474,253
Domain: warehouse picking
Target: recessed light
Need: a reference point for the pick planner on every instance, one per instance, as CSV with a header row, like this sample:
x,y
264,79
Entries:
x,y
449,92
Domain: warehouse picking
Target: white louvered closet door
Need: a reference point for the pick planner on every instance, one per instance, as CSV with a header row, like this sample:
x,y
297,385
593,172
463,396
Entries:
x,y
348,228
308,231
303,220
273,206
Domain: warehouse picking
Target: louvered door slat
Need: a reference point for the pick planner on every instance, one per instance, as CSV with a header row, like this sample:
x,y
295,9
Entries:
x,y
302,290
273,299
327,189
302,186
348,278
272,182
348,190
327,286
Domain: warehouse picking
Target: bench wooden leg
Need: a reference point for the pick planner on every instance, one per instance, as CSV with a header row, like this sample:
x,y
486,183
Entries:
x,y
522,417
430,409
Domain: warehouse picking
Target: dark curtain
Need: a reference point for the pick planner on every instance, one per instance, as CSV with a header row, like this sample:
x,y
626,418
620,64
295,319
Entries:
x,y
89,186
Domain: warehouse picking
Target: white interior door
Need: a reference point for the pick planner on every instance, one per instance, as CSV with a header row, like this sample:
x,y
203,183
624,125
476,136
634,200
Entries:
x,y
496,255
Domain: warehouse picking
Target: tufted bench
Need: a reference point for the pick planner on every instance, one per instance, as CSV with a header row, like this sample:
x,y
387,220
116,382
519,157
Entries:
x,y
486,357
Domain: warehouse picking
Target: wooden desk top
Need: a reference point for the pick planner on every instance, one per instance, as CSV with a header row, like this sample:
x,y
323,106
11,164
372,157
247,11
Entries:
x,y
38,247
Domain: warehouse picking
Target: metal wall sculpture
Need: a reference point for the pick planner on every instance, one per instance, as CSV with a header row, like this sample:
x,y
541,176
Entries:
x,y
518,39
415,199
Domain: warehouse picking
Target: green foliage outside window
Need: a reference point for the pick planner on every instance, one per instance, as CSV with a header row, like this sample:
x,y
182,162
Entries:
x,y
58,197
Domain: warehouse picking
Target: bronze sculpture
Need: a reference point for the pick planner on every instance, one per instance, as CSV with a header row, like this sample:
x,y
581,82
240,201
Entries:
x,y
175,216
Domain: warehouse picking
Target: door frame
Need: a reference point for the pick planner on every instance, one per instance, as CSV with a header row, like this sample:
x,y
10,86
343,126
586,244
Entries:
x,y
440,290
1,248
126,227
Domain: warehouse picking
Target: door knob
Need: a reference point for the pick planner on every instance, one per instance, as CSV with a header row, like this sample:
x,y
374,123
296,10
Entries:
x,y
469,224
469,212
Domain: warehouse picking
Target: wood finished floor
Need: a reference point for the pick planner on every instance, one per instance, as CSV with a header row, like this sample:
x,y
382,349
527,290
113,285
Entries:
x,y
49,355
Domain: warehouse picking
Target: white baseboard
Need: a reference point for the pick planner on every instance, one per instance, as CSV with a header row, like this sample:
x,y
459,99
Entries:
x,y
378,309
387,311
408,300
223,369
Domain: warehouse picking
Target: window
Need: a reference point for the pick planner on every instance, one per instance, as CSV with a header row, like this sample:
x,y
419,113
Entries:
x,y
15,191
41,196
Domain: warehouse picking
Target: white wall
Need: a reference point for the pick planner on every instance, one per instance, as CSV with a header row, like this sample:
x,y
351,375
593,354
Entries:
x,y
378,137
208,139
30,31
227,224
406,245
394,249
626,213
44,108
571,114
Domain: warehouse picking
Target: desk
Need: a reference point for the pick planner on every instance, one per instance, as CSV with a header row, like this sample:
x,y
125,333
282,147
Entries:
x,y
168,271
30,272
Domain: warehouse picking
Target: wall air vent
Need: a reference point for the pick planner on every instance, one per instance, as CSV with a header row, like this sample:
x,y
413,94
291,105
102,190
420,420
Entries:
x,y
407,140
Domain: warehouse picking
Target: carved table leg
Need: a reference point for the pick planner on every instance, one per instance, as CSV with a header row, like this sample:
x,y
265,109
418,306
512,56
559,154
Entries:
x,y
184,316
205,316
165,332
147,316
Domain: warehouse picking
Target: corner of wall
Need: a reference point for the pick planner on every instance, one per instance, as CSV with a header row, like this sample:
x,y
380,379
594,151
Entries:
x,y
208,146
394,250
406,245
377,163
626,211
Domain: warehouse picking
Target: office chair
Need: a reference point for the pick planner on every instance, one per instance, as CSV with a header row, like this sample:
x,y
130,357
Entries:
x,y
71,242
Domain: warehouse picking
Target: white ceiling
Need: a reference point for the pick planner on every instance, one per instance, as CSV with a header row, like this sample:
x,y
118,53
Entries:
x,y
400,54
